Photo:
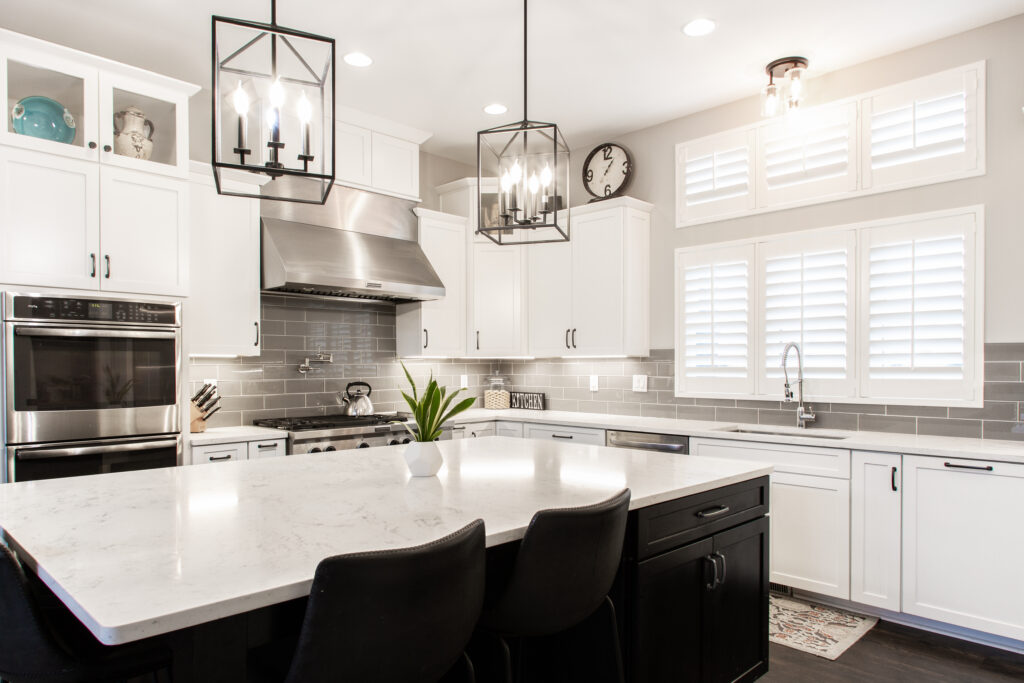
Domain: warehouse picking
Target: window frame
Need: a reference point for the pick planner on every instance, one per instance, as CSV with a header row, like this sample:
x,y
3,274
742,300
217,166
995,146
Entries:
x,y
710,145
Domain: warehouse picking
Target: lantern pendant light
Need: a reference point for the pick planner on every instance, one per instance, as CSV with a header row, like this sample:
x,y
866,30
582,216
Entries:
x,y
273,109
785,90
523,178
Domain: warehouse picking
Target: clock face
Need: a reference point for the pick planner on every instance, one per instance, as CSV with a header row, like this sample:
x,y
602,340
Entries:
x,y
607,170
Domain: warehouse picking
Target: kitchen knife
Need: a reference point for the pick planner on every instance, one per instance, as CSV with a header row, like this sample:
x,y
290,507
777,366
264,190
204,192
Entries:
x,y
207,416
200,392
210,406
206,396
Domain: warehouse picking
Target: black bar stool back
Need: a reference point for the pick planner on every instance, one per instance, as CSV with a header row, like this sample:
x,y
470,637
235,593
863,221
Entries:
x,y
396,616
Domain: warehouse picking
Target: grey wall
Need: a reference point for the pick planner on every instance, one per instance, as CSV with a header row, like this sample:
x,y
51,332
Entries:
x,y
362,339
1000,190
436,170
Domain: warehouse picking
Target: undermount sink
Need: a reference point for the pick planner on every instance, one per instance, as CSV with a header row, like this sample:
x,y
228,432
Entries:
x,y
766,432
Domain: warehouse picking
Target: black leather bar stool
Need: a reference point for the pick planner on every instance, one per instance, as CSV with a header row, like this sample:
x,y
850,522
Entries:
x,y
558,579
51,645
396,616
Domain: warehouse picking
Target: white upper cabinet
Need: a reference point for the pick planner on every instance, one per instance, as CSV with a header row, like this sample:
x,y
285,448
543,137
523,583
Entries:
x,y
550,297
49,220
395,165
222,312
437,328
106,206
352,163
497,321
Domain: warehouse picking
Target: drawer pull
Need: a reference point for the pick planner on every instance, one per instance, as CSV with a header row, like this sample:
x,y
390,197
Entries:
x,y
264,446
983,468
219,457
713,512
561,436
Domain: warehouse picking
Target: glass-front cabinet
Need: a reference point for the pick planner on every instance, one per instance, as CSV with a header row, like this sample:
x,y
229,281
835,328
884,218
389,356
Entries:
x,y
91,109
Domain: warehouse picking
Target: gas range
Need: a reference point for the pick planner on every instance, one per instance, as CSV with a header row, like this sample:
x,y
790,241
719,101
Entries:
x,y
325,433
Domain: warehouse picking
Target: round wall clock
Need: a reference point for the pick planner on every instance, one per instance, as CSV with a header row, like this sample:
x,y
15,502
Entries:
x,y
607,170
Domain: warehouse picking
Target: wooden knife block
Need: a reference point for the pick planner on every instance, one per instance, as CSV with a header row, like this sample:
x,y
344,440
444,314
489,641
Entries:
x,y
197,424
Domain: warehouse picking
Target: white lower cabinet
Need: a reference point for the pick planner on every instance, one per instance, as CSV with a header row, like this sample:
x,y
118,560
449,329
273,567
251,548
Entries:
x,y
593,437
222,452
809,510
510,429
473,430
270,448
875,529
963,543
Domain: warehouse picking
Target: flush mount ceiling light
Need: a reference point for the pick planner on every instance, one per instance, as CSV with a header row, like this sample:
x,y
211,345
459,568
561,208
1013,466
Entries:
x,y
495,109
523,178
273,108
357,59
785,89
699,27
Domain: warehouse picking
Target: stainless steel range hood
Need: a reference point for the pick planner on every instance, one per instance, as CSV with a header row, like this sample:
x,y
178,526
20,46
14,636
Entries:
x,y
350,248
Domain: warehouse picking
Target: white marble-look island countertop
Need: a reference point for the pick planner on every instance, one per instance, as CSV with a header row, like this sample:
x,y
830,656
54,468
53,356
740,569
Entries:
x,y
135,554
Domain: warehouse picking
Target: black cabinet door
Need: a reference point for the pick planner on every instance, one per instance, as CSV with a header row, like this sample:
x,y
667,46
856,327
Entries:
x,y
738,610
668,615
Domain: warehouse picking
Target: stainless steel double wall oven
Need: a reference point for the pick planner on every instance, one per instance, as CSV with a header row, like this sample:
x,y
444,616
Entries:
x,y
91,385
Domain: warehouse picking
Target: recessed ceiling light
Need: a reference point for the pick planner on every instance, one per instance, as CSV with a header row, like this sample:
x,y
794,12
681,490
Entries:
x,y
699,27
357,59
495,109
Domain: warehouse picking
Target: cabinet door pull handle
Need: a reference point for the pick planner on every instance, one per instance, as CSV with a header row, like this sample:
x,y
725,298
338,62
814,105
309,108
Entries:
x,y
574,337
92,258
561,436
220,457
107,148
720,556
713,583
92,145
106,259
713,512
426,338
567,338
257,324
478,340
893,479
983,468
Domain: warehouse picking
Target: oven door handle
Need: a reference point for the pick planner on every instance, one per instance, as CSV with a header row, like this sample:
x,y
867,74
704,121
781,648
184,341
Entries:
x,y
38,454
89,332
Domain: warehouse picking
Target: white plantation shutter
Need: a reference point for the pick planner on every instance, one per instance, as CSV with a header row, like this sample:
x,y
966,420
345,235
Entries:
x,y
714,177
714,314
919,291
807,297
808,155
925,130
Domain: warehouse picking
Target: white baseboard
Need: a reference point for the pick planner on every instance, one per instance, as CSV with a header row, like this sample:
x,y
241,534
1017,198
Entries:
x,y
903,619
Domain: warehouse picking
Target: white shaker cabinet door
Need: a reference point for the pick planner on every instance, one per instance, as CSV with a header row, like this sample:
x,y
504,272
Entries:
x,y
549,299
353,154
497,311
597,285
144,240
963,543
444,320
395,165
810,533
49,220
875,501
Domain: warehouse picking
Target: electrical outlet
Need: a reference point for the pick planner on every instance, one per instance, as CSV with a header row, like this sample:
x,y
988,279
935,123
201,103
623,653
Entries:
x,y
640,383
593,382
464,381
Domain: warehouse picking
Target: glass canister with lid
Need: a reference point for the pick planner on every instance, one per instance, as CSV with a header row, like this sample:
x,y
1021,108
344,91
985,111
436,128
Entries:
x,y
498,394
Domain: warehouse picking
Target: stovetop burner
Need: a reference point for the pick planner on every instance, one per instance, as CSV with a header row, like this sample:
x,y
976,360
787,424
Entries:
x,y
299,424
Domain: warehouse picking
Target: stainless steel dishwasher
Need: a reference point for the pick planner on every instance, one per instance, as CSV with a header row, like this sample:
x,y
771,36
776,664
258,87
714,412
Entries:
x,y
668,443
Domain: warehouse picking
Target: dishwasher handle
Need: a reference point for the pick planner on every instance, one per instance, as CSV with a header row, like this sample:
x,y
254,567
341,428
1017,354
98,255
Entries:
x,y
665,443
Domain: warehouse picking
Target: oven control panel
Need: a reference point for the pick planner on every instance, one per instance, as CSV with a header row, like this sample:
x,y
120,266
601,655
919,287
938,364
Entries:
x,y
95,310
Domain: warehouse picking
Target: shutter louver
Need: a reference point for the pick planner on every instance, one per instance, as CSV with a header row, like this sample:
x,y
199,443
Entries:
x,y
716,314
917,298
808,156
925,129
806,299
717,176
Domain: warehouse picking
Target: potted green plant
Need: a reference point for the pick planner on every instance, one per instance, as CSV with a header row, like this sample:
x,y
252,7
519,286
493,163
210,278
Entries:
x,y
430,411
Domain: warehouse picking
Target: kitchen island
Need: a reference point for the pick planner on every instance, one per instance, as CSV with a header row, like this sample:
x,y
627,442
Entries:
x,y
138,554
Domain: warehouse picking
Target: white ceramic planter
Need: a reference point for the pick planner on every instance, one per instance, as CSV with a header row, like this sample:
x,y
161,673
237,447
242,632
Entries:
x,y
423,458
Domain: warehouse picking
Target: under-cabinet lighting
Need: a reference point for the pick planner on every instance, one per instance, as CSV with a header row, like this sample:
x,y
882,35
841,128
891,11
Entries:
x,y
213,355
613,356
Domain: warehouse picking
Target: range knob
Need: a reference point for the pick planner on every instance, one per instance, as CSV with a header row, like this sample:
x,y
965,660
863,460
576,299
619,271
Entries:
x,y
363,445
330,448
314,450
393,442
407,440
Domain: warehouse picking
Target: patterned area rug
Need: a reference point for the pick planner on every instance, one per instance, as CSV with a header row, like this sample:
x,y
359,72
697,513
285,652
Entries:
x,y
823,631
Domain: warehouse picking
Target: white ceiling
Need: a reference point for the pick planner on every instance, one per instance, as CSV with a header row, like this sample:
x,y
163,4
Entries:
x,y
599,67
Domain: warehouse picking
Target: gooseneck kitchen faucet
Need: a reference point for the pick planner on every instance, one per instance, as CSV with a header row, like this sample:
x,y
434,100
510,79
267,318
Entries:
x,y
804,414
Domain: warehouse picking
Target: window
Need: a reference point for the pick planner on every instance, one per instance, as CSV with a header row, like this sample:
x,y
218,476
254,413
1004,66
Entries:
x,y
808,155
919,291
714,176
885,311
808,299
715,312
925,131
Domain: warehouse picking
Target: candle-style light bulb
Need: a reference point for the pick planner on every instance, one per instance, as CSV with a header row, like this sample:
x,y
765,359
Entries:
x,y
241,100
534,184
517,172
545,176
272,118
276,94
304,109
506,181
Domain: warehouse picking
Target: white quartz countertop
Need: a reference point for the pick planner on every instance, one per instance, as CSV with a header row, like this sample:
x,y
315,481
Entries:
x,y
910,444
218,435
134,554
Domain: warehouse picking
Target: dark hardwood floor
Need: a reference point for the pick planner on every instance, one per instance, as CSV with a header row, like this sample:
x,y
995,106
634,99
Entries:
x,y
890,652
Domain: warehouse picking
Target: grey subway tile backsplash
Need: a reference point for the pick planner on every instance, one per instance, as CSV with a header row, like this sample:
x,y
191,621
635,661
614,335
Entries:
x,y
362,338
